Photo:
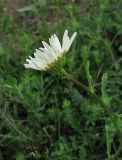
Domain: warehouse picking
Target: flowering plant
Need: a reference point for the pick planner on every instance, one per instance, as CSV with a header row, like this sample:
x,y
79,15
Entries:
x,y
51,57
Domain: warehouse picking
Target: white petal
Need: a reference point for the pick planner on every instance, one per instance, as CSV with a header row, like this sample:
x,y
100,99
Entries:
x,y
57,42
40,63
50,57
31,66
49,50
29,61
65,41
54,48
44,54
72,39
65,36
41,49
37,62
39,54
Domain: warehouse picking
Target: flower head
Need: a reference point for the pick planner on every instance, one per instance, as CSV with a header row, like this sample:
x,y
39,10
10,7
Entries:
x,y
47,57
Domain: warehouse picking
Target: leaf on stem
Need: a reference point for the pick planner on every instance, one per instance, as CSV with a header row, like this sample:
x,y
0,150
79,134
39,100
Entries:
x,y
108,136
103,89
89,77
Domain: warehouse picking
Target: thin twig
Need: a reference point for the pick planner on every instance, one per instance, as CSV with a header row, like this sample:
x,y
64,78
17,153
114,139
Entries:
x,y
12,124
118,152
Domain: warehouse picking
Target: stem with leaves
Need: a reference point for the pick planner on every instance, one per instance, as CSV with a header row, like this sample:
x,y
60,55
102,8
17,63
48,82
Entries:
x,y
104,105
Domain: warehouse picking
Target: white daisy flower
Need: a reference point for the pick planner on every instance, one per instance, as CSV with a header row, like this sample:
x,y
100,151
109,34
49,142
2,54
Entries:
x,y
46,58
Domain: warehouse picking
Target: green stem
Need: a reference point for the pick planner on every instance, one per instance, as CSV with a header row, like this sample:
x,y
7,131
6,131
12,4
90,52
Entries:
x,y
94,96
118,152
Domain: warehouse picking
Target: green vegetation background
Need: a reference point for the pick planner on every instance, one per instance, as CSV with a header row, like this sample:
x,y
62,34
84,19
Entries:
x,y
43,117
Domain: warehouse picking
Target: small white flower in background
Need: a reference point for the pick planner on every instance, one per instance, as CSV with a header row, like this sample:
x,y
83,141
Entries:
x,y
45,58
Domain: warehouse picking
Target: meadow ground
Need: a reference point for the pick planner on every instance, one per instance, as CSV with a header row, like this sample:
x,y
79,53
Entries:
x,y
44,116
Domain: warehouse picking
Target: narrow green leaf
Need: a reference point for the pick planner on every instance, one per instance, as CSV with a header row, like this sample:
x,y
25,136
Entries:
x,y
108,141
89,77
27,9
103,89
117,119
85,53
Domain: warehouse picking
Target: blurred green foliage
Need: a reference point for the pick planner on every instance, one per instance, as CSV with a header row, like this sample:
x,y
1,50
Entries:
x,y
43,117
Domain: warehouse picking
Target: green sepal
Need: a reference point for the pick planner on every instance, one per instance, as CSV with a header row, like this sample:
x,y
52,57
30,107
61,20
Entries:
x,y
57,64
